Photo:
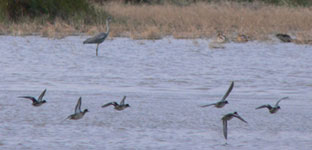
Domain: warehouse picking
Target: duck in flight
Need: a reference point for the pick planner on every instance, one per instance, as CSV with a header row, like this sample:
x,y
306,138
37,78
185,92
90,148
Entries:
x,y
36,102
117,106
223,101
273,109
78,113
228,117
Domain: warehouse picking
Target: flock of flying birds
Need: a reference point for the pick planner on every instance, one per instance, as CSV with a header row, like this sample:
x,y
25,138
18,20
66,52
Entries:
x,y
227,117
122,105
78,113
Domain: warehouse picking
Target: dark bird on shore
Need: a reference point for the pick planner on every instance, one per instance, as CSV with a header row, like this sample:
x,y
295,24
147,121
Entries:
x,y
228,117
222,102
273,109
117,106
284,37
78,113
36,102
99,38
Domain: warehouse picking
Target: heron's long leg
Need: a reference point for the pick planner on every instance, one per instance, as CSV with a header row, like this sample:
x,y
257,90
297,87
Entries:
x,y
97,48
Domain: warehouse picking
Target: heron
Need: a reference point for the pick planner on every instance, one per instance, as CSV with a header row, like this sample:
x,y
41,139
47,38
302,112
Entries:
x,y
99,38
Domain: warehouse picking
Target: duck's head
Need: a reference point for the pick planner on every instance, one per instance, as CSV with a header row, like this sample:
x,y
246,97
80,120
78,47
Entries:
x,y
278,107
226,102
44,101
86,110
127,105
235,113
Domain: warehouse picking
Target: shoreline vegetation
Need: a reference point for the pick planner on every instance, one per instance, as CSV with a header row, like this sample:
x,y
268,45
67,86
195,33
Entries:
x,y
139,20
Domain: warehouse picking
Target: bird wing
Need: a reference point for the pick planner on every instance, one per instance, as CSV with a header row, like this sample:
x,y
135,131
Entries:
x,y
208,105
99,38
108,104
280,100
78,105
122,102
240,118
41,95
264,106
228,91
29,97
225,128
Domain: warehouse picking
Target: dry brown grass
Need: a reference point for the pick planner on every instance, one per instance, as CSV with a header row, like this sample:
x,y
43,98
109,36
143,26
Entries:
x,y
200,20
204,20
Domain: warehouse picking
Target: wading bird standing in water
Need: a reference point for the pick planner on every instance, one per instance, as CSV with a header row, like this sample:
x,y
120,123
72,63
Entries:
x,y
78,113
273,109
222,102
99,38
36,102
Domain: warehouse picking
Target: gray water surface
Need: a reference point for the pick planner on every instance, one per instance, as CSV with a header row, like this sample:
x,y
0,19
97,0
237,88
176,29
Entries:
x,y
165,81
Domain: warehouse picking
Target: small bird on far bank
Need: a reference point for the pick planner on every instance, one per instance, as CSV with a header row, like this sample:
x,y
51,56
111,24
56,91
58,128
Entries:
x,y
284,37
36,102
241,38
223,101
228,117
117,106
78,113
273,109
99,38
217,42
221,38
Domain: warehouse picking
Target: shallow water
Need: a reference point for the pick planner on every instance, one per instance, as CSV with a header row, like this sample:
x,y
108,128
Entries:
x,y
165,81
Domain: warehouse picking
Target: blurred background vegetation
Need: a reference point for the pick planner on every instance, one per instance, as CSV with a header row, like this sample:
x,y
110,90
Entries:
x,y
186,2
153,19
84,10
67,10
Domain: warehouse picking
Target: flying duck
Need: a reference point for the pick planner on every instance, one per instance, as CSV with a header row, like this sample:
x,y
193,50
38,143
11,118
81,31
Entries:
x,y
78,113
36,102
117,106
228,117
273,109
222,102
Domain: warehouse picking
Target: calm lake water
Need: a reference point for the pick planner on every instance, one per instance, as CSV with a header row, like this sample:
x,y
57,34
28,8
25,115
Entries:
x,y
165,82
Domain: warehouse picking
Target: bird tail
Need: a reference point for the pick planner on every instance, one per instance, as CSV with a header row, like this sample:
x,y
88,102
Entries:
x,y
88,41
207,105
65,119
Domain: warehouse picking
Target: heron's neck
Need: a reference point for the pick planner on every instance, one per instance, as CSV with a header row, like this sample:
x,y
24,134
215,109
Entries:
x,y
107,27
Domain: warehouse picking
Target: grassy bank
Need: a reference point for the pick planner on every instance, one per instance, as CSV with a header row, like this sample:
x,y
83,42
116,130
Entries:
x,y
197,20
204,20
